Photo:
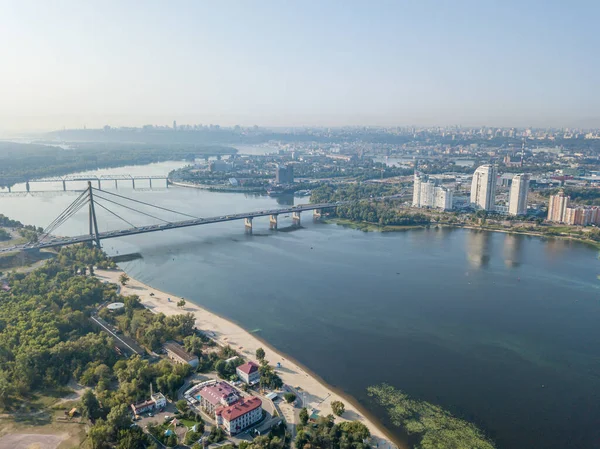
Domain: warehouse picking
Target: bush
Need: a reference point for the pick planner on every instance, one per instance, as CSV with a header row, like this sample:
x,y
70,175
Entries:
x,y
338,408
304,416
289,397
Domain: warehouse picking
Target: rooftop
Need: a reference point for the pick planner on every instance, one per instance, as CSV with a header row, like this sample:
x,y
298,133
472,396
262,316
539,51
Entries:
x,y
214,393
143,404
248,367
178,350
241,408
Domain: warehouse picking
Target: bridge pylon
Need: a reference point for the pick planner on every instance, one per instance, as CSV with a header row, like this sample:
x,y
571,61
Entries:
x,y
94,234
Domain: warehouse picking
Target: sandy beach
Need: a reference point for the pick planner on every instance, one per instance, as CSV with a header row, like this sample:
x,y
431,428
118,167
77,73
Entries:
x,y
316,394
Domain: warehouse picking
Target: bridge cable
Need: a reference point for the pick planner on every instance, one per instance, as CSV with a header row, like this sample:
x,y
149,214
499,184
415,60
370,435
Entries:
x,y
116,215
73,208
68,209
147,204
49,231
130,208
67,213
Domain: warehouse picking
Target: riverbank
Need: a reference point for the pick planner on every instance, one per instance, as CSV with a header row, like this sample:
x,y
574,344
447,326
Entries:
x,y
317,393
372,227
189,185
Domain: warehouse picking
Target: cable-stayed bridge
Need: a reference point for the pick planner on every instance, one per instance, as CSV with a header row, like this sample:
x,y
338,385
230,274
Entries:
x,y
95,198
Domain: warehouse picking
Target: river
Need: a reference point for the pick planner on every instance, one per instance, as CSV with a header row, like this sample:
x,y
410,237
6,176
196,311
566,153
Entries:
x,y
500,329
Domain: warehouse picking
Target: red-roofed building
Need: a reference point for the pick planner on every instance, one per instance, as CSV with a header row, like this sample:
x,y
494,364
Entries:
x,y
240,416
214,396
248,372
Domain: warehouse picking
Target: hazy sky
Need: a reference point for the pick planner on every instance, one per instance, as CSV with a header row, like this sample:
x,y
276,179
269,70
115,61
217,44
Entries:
x,y
504,63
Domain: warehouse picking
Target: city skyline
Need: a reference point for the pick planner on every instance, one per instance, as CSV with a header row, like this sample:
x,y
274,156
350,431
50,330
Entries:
x,y
336,64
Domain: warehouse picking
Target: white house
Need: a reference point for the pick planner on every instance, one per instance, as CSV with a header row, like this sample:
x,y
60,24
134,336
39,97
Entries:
x,y
248,372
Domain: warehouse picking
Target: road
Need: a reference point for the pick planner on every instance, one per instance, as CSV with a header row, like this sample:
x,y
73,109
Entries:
x,y
61,241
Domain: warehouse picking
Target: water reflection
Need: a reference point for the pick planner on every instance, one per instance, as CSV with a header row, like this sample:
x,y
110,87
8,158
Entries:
x,y
286,199
478,248
513,250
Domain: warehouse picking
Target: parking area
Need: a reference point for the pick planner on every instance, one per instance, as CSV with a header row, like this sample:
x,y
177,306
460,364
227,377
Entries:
x,y
158,417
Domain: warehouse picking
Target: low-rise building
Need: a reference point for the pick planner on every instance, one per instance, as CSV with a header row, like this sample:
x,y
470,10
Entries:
x,y
159,400
156,402
248,372
237,417
178,354
217,395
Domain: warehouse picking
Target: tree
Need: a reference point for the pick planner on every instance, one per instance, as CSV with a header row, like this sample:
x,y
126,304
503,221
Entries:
x,y
90,407
131,302
119,418
123,279
192,437
182,405
132,438
193,344
338,407
260,354
171,440
220,367
304,416
181,303
99,435
289,397
5,389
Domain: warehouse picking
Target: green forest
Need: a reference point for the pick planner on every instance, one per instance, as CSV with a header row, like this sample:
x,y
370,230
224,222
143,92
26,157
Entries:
x,y
586,197
381,213
47,339
324,433
22,162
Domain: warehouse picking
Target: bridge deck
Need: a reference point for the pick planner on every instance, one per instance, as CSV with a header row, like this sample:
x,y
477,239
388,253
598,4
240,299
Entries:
x,y
174,225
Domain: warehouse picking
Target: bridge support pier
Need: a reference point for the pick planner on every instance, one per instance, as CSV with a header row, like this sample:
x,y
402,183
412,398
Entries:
x,y
248,225
273,222
133,182
296,218
27,186
150,179
99,185
317,214
9,189
64,183
116,184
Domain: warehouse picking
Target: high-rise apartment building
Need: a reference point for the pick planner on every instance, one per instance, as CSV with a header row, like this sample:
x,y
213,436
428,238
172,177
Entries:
x,y
427,193
443,198
518,195
582,216
284,174
557,207
483,187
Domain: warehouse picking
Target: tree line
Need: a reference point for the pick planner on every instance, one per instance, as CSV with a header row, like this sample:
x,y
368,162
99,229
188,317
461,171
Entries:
x,y
383,213
22,162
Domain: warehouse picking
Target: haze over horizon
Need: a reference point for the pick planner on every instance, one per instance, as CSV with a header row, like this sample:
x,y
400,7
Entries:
x,y
312,63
